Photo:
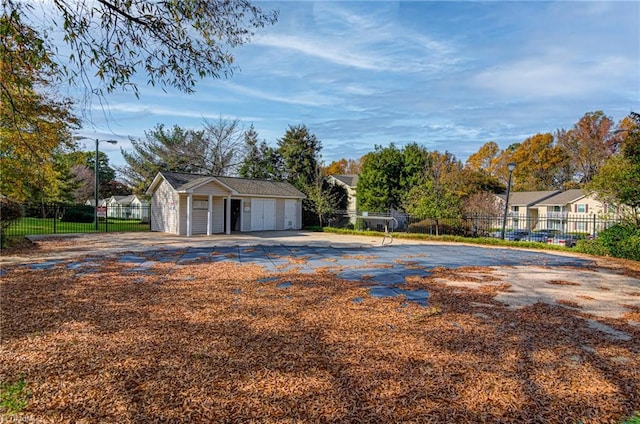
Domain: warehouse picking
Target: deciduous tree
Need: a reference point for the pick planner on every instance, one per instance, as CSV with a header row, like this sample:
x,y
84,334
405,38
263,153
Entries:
x,y
588,144
35,122
379,182
539,164
174,42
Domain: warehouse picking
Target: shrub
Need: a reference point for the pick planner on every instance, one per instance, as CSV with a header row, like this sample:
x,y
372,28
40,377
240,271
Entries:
x,y
79,213
592,247
10,212
621,241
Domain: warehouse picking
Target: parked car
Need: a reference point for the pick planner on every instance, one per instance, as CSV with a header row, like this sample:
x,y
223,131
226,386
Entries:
x,y
539,236
516,235
568,240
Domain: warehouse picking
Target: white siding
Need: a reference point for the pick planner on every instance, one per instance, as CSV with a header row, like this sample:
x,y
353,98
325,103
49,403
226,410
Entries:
x,y
164,209
213,188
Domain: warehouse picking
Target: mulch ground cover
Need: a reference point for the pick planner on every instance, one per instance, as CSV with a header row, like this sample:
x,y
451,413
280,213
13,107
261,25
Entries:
x,y
223,342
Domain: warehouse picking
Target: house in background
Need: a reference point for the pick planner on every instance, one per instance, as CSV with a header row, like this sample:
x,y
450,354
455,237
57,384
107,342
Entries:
x,y
127,207
349,182
571,211
523,213
187,204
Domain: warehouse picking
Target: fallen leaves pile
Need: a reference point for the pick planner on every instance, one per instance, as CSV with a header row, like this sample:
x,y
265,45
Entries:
x,y
219,342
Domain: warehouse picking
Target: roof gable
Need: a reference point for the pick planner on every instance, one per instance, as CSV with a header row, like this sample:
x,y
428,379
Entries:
x,y
350,180
183,182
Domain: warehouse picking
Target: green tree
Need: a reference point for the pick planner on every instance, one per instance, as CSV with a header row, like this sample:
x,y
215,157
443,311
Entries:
x,y
162,150
106,173
433,200
300,153
415,160
174,42
260,160
35,124
379,181
618,180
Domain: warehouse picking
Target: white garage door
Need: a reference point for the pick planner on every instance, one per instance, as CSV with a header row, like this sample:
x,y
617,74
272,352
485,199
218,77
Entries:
x,y
290,214
263,214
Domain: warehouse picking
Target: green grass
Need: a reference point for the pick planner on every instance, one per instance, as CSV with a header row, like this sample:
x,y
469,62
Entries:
x,y
13,396
635,419
31,226
459,239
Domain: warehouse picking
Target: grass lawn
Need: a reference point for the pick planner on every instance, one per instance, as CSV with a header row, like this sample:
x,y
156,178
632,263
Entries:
x,y
215,342
31,226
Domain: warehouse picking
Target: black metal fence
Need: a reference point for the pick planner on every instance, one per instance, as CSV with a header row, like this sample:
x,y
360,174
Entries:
x,y
64,218
521,227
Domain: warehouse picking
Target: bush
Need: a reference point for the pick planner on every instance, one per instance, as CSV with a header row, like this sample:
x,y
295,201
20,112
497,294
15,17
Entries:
x,y
621,241
80,213
592,247
10,211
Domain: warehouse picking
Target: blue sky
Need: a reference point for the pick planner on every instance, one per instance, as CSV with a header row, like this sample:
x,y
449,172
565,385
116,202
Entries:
x,y
447,75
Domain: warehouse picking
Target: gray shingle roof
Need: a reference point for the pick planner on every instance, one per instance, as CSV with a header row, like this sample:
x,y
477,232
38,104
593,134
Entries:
x,y
243,186
261,187
563,198
349,179
524,198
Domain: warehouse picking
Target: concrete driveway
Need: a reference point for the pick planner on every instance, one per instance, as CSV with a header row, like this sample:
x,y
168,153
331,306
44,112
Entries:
x,y
526,277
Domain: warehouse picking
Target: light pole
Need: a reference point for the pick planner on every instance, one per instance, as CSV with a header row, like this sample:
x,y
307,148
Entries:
x,y
95,171
511,166
96,178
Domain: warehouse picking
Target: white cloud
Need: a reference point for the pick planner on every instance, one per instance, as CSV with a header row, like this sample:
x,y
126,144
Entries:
x,y
546,76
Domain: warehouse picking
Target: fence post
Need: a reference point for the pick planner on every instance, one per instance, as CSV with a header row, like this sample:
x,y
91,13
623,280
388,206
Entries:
x,y
594,225
55,218
106,219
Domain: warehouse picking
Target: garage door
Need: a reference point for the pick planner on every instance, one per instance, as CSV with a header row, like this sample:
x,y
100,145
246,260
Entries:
x,y
263,214
290,214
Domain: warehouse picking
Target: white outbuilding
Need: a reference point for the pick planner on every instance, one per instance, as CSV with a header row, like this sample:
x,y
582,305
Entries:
x,y
188,204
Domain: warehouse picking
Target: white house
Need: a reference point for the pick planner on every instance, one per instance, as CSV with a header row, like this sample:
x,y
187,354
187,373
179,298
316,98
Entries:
x,y
187,204
127,207
521,212
349,182
572,211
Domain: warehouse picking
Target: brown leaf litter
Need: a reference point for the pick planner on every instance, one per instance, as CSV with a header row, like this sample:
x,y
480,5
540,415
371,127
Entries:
x,y
211,342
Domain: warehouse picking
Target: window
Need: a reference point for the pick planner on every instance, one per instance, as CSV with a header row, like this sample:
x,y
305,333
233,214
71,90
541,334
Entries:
x,y
581,208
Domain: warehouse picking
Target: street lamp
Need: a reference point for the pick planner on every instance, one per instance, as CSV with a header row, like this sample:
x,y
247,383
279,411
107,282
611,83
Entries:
x,y
511,166
96,178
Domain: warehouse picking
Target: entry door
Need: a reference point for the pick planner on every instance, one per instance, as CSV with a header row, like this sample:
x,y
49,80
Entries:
x,y
263,214
290,214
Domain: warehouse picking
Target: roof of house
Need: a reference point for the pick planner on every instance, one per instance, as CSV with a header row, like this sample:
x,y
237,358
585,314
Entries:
x,y
125,200
350,180
183,182
563,198
526,198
